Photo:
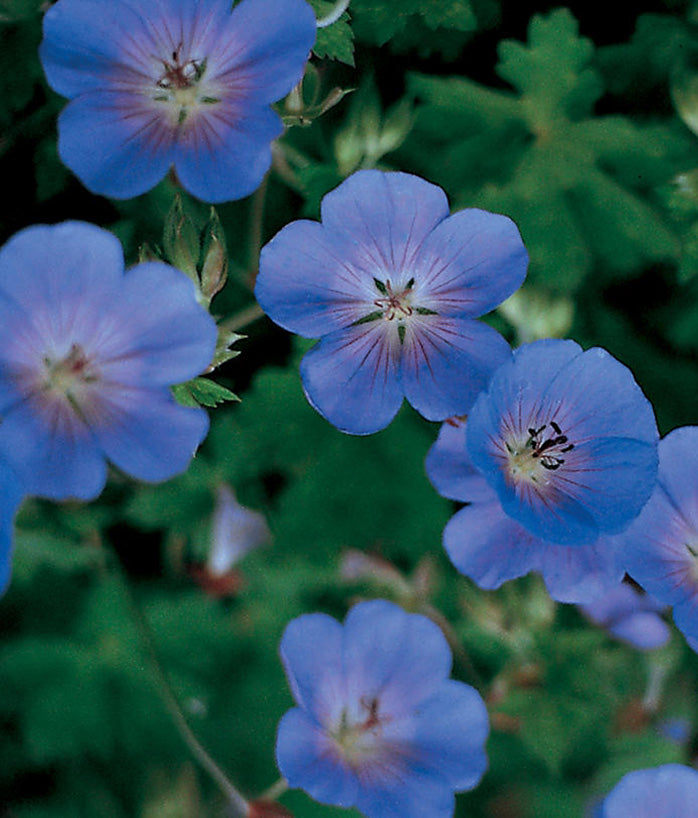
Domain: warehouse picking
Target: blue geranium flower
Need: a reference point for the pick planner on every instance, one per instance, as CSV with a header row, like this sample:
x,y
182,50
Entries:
x,y
183,83
661,547
669,791
558,454
379,725
393,284
87,357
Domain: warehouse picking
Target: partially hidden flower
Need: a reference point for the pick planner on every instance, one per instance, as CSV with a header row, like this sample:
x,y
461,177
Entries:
x,y
393,285
556,456
235,530
87,357
173,83
661,547
11,495
378,724
669,791
630,616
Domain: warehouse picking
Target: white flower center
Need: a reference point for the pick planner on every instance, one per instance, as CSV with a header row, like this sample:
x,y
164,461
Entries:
x,y
396,305
69,377
358,737
181,86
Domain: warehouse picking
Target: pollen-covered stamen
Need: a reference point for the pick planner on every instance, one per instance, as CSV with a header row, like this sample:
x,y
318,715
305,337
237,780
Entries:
x,y
394,304
358,735
538,451
67,374
548,449
178,74
182,87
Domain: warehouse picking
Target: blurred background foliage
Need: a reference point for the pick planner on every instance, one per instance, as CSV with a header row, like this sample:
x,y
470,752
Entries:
x,y
579,124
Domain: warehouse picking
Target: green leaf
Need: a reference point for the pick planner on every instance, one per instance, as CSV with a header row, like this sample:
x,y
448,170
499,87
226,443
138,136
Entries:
x,y
202,392
576,185
377,21
335,42
646,62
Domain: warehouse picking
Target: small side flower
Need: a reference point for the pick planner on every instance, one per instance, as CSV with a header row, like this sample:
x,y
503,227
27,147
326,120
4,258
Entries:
x,y
88,354
661,547
630,616
378,724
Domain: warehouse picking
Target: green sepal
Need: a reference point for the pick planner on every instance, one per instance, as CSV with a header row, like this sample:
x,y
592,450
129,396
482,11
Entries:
x,y
380,286
372,316
181,241
202,392
214,263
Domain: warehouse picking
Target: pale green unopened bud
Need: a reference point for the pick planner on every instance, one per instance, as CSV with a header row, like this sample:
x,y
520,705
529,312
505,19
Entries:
x,y
214,265
181,241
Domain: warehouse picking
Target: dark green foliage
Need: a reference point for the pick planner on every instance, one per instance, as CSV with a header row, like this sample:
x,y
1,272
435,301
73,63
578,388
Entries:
x,y
576,184
590,146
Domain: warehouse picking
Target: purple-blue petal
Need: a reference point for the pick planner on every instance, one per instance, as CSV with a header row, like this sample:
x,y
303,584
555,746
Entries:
x,y
450,470
53,452
488,546
145,432
352,378
84,40
117,147
311,652
447,362
402,659
413,794
669,791
659,547
67,261
678,457
450,734
308,758
612,479
645,631
11,495
226,151
382,219
580,574
161,334
305,286
265,46
630,615
601,398
472,261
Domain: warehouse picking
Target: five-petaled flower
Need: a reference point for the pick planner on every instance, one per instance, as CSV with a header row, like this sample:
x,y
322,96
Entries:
x,y
379,725
557,455
393,284
183,83
87,358
661,546
669,791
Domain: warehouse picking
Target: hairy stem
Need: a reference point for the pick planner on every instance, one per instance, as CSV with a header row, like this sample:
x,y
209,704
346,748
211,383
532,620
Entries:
x,y
238,805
